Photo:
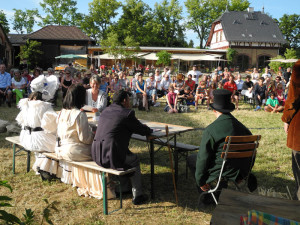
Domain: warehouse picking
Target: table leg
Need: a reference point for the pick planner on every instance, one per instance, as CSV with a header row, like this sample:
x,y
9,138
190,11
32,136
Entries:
x,y
175,160
152,168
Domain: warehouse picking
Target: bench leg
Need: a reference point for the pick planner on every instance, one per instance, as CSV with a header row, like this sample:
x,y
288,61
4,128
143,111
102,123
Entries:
x,y
14,158
152,168
105,211
28,161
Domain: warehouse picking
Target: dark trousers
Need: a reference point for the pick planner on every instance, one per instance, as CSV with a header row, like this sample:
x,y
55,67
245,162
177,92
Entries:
x,y
258,101
296,171
135,181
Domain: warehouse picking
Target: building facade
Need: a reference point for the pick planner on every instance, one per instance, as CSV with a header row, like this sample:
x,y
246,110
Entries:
x,y
253,34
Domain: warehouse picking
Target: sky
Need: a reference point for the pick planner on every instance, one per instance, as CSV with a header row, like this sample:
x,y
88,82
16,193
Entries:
x,y
275,8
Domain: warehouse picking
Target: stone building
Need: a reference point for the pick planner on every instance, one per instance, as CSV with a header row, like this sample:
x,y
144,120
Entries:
x,y
5,49
253,34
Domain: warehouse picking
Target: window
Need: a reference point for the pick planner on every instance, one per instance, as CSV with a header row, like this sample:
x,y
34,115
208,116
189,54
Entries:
x,y
221,35
217,36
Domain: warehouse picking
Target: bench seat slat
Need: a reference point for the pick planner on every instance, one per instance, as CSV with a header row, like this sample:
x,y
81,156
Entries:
x,y
91,165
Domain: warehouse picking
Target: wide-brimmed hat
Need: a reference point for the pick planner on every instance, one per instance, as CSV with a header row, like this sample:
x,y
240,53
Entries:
x,y
222,101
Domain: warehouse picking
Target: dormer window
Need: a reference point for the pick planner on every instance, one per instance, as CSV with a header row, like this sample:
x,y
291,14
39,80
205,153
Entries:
x,y
250,35
274,36
243,35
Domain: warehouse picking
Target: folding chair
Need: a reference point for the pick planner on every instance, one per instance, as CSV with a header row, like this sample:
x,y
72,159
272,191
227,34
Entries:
x,y
236,147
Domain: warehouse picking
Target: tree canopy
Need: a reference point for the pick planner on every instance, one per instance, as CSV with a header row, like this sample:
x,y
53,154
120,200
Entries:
x,y
24,20
60,12
4,22
169,16
290,28
100,16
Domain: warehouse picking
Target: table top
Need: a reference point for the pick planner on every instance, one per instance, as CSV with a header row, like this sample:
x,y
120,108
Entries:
x,y
233,204
159,128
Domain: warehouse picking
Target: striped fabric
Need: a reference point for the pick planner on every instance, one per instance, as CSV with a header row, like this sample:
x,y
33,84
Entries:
x,y
260,218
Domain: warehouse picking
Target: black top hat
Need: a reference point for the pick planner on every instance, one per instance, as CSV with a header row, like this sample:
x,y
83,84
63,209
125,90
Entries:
x,y
222,101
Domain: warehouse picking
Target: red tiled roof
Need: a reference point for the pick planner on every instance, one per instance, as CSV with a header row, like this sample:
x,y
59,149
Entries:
x,y
53,32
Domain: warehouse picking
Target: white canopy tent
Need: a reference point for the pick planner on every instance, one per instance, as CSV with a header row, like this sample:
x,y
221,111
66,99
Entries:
x,y
284,60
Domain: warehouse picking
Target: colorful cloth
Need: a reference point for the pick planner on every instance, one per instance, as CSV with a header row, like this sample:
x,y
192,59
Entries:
x,y
260,218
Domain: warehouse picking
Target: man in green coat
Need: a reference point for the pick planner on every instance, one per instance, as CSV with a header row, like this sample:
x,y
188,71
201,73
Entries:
x,y
208,162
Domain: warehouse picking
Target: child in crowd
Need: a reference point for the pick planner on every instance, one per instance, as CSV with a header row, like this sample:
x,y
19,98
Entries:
x,y
211,89
179,84
279,92
272,104
220,85
171,106
187,96
201,94
189,82
104,85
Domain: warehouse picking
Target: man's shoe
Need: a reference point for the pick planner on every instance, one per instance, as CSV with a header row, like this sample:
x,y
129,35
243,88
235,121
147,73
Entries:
x,y
9,104
141,199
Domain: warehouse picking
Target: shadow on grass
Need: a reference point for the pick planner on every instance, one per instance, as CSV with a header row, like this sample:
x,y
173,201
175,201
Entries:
x,y
271,180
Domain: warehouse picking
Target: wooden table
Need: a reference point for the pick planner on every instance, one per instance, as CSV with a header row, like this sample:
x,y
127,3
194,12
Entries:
x,y
233,204
174,130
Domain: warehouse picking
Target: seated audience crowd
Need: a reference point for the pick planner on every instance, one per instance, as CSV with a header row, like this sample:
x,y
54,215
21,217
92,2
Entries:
x,y
68,132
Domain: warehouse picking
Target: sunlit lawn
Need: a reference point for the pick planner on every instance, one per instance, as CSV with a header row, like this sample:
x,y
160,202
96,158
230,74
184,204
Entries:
x,y
272,168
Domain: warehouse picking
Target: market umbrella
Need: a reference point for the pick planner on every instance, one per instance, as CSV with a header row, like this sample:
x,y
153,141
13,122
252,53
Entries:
x,y
71,56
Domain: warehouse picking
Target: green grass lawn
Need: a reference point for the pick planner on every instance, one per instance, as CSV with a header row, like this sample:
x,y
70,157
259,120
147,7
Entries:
x,y
272,168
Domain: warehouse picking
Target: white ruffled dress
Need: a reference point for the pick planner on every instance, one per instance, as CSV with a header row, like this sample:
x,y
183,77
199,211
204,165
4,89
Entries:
x,y
38,114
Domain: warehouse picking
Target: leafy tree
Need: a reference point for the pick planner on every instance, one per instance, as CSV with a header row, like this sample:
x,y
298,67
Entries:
x,y
137,21
202,13
31,52
169,15
230,55
24,20
99,18
115,48
60,12
289,54
191,44
163,58
290,28
4,22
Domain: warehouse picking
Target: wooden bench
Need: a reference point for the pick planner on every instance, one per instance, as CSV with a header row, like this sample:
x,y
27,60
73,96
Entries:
x,y
18,148
93,166
180,148
88,164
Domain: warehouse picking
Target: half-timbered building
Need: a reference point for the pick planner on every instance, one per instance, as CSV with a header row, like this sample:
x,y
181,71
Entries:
x,y
253,34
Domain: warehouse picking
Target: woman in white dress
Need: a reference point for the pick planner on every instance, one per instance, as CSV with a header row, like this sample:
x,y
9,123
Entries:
x,y
38,121
94,96
76,137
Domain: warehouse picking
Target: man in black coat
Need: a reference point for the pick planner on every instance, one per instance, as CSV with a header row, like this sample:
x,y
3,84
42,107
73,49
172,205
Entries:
x,y
110,147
